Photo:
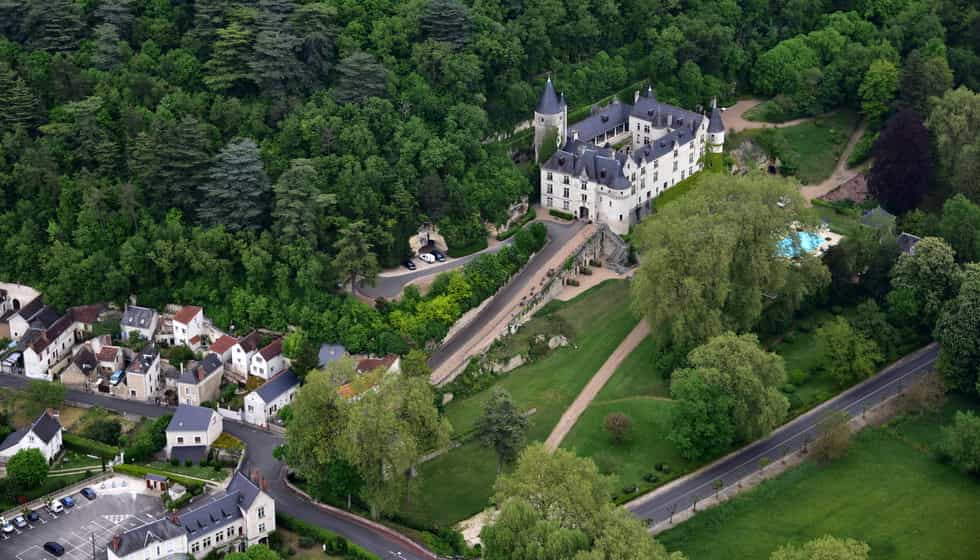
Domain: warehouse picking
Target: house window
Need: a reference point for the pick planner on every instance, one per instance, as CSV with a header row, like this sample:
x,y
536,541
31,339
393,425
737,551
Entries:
x,y
262,512
180,439
207,542
196,547
132,392
197,439
250,408
261,527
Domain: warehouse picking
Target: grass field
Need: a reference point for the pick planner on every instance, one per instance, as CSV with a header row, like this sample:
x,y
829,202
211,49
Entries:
x,y
770,111
888,492
197,471
459,483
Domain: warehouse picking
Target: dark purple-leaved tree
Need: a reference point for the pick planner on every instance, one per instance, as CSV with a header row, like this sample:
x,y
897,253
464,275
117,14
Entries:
x,y
903,169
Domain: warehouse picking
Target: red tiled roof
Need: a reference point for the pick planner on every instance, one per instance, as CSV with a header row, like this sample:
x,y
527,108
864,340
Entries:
x,y
346,391
272,350
250,342
187,314
87,313
108,354
195,339
52,334
371,364
222,345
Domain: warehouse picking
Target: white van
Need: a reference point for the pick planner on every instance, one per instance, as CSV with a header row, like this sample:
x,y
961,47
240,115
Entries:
x,y
55,506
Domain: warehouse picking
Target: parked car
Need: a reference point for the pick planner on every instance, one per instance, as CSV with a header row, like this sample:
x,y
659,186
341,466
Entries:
x,y
6,526
427,257
33,516
439,256
88,493
409,264
54,548
20,522
68,502
56,507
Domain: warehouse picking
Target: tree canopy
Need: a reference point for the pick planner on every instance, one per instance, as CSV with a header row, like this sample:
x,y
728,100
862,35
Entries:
x,y
824,548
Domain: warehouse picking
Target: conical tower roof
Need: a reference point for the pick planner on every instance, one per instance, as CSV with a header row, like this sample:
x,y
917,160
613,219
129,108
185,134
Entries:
x,y
715,124
549,104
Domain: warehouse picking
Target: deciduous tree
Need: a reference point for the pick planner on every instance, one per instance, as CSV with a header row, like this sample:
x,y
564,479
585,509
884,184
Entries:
x,y
848,355
619,426
924,77
924,281
502,427
961,441
27,468
878,89
361,76
953,122
960,227
834,437
958,334
902,172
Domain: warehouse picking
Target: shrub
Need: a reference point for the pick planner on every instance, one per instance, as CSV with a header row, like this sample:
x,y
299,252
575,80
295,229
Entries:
x,y
798,377
174,461
651,478
306,542
586,272
619,426
88,446
104,430
188,463
788,388
572,282
336,545
560,214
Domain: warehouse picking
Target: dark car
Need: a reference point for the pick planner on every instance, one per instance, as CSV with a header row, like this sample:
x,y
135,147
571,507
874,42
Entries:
x,y
68,502
439,256
409,264
54,548
33,517
88,493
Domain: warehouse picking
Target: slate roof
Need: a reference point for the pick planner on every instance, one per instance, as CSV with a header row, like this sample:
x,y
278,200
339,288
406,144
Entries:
x,y
550,103
137,317
46,426
144,360
663,145
330,353
137,539
210,516
715,122
13,438
31,309
877,218
602,121
272,349
45,318
51,334
247,490
276,386
907,242
602,165
189,418
649,109
193,453
85,360
187,314
194,375
223,344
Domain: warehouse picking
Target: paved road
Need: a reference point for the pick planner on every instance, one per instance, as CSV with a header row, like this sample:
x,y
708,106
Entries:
x,y
558,236
678,496
260,445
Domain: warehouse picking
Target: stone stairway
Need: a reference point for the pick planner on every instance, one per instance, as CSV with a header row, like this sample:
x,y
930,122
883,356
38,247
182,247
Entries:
x,y
615,249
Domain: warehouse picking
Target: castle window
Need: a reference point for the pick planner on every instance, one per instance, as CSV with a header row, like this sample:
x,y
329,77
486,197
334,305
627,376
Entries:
x,y
675,166
638,126
646,129
585,198
643,171
551,202
565,180
564,205
566,193
656,163
621,217
675,152
549,175
550,189
584,184
646,139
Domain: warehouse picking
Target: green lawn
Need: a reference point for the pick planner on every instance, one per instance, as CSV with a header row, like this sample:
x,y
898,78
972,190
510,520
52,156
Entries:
x,y
844,221
459,484
197,471
73,460
769,111
888,491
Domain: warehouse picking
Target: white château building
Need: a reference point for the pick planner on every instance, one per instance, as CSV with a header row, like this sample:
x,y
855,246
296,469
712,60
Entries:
x,y
587,177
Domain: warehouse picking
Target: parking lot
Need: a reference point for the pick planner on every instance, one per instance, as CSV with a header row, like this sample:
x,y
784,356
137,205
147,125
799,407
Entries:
x,y
114,510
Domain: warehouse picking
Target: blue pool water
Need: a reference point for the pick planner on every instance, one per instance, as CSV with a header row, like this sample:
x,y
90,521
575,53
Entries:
x,y
809,242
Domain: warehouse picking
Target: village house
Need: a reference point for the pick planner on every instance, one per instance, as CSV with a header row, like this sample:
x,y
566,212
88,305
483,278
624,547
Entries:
x,y
242,353
201,382
587,177
262,404
141,320
19,305
191,432
223,348
371,372
44,434
188,326
269,360
142,379
92,364
239,516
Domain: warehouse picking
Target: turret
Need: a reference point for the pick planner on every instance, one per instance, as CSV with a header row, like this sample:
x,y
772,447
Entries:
x,y
716,128
550,113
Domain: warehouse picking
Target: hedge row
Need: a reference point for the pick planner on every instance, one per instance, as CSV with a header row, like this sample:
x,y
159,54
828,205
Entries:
x,y
562,215
527,217
336,544
193,486
89,446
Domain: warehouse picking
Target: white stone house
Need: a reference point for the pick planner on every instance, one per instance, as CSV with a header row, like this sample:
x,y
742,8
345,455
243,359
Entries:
x,y
223,348
141,320
18,305
44,434
47,348
239,516
590,179
191,432
262,404
188,326
268,361
242,352
201,382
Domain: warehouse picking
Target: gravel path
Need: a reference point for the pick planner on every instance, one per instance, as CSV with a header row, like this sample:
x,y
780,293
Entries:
x,y
841,173
592,388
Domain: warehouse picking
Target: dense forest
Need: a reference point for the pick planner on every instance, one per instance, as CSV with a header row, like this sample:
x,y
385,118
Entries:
x,y
224,152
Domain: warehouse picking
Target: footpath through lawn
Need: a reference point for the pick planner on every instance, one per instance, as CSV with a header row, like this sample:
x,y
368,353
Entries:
x,y
459,483
889,491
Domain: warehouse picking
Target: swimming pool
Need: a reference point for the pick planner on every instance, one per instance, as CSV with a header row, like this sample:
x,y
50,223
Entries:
x,y
809,243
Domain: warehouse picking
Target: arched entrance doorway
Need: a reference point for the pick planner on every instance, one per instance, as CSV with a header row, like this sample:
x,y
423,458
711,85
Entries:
x,y
583,213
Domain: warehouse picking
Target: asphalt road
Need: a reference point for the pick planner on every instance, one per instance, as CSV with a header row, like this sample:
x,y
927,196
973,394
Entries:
x,y
259,447
680,495
558,236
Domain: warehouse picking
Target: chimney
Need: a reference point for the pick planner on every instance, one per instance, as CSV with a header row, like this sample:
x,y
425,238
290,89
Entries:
x,y
200,373
636,96
265,485
173,518
670,119
116,541
714,102
255,476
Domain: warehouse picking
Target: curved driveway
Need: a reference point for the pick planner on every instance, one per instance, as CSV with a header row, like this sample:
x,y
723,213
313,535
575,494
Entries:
x,y
681,494
260,445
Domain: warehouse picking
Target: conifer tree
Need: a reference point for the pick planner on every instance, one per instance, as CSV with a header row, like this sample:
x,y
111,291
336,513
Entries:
x,y
106,55
355,255
237,193
18,104
361,76
298,202
447,21
118,13
53,25
228,67
171,163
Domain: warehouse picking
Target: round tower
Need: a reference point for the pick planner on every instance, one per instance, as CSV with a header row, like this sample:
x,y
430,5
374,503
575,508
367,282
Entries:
x,y
716,129
551,113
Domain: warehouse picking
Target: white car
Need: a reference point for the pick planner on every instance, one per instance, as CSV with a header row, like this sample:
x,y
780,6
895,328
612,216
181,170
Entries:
x,y
6,526
427,257
56,507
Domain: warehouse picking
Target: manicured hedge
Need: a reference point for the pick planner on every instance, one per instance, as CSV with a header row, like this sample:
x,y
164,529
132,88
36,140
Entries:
x,y
527,217
193,486
336,544
89,446
562,215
